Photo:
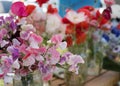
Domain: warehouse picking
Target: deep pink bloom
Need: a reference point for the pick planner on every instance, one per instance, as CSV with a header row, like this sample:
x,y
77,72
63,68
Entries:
x,y
18,8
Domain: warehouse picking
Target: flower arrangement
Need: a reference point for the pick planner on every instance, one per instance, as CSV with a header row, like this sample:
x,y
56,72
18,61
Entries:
x,y
23,50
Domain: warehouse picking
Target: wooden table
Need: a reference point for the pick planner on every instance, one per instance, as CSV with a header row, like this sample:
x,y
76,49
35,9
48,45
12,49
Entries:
x,y
107,78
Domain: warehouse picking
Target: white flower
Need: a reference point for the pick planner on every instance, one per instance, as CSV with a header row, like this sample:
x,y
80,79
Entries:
x,y
75,17
38,14
53,23
15,42
63,45
29,60
3,43
28,27
39,58
16,64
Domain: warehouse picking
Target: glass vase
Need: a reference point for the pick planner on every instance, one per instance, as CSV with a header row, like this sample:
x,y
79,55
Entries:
x,y
72,79
79,79
95,58
32,79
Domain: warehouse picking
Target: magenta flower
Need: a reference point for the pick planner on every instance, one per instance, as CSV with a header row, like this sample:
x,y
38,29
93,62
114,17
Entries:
x,y
18,8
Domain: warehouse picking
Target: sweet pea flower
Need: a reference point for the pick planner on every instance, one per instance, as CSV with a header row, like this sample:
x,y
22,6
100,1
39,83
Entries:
x,y
55,39
53,23
53,56
74,59
35,40
28,27
15,42
29,60
16,64
75,17
3,43
18,8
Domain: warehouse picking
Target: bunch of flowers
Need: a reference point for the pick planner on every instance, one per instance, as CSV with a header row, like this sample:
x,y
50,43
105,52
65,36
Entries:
x,y
22,49
111,40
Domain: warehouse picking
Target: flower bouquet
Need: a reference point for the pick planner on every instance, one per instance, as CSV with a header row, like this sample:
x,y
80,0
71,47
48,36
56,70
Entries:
x,y
24,52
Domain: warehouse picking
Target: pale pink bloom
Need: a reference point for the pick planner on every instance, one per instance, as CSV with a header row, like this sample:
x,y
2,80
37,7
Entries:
x,y
38,15
53,23
56,38
109,2
22,21
42,50
74,60
22,48
28,27
53,56
35,40
63,45
39,58
24,35
16,64
15,42
30,60
75,17
3,43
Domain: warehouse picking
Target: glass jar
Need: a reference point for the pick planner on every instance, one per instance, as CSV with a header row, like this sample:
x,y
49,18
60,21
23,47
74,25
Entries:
x,y
81,50
72,79
95,58
32,79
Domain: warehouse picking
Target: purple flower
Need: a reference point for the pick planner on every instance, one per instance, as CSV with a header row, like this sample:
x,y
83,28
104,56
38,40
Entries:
x,y
13,25
14,52
9,19
62,60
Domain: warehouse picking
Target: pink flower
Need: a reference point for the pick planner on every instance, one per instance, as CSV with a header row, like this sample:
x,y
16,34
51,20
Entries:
x,y
35,40
30,60
109,2
18,8
74,59
53,23
53,55
75,17
16,64
56,38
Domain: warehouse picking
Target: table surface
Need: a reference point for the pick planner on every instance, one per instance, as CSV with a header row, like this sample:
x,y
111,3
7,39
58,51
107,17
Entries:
x,y
107,78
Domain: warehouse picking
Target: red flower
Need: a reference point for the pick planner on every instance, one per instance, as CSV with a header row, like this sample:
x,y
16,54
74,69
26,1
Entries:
x,y
69,41
51,9
41,2
30,8
81,37
83,25
70,29
65,20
